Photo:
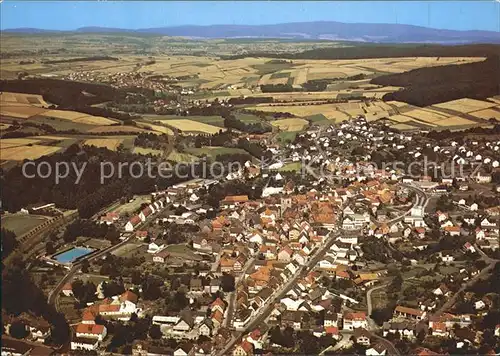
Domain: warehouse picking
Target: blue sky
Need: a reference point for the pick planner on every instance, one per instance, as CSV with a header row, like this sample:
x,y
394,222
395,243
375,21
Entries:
x,y
68,15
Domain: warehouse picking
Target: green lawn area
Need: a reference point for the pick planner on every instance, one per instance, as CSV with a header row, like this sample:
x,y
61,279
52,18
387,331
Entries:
x,y
21,224
184,252
131,207
319,119
248,118
287,136
61,124
146,151
213,151
182,157
291,167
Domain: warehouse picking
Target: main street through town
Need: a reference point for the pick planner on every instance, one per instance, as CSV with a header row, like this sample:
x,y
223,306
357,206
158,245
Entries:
x,y
420,201
266,309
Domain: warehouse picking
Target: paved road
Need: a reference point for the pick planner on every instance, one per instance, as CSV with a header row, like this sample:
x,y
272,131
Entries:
x,y
371,324
232,298
450,302
391,349
266,309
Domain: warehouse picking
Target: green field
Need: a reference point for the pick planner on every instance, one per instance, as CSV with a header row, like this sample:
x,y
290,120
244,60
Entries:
x,y
209,120
146,151
21,224
183,251
319,119
213,151
291,167
287,136
271,67
182,157
248,118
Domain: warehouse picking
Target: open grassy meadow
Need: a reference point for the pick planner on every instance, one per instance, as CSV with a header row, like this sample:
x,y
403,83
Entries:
x,y
21,224
290,124
189,126
213,151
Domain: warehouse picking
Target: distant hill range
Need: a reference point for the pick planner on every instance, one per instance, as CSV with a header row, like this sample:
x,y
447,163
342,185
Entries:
x,y
320,30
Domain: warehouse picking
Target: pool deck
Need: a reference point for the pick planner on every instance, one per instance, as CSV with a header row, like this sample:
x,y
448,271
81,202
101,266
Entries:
x,y
70,255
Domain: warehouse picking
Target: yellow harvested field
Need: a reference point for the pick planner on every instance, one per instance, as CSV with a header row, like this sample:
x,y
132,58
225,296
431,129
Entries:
x,y
376,115
290,124
64,114
454,121
400,118
13,142
116,128
487,114
191,126
300,76
94,120
402,127
495,99
20,111
425,115
146,151
354,112
20,98
330,111
78,117
398,104
53,138
465,105
109,143
158,129
27,152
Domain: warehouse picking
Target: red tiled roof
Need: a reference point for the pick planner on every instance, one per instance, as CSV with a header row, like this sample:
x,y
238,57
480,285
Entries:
x,y
93,329
135,220
355,316
88,316
410,311
130,296
236,198
332,330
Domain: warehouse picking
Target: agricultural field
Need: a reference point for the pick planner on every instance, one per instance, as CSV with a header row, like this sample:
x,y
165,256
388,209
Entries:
x,y
465,105
287,136
187,125
7,98
330,111
32,151
109,143
21,224
487,114
210,120
290,124
152,128
147,151
182,157
213,151
18,149
79,117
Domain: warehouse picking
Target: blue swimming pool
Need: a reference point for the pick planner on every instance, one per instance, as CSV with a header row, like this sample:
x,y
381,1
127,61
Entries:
x,y
72,255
